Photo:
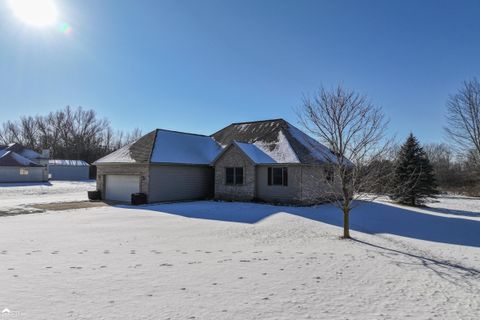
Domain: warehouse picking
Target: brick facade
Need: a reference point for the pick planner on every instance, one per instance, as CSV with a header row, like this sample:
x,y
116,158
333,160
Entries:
x,y
233,157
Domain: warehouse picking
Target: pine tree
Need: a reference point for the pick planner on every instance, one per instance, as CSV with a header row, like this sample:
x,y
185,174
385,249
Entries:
x,y
414,180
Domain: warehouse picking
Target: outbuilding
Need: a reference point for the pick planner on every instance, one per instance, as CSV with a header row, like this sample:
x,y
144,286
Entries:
x,y
16,168
61,169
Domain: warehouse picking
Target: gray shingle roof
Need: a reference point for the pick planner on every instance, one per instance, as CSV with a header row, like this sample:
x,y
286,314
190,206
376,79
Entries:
x,y
278,139
9,158
166,146
275,139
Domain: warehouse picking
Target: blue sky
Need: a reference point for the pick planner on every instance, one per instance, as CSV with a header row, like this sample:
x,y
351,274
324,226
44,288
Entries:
x,y
199,65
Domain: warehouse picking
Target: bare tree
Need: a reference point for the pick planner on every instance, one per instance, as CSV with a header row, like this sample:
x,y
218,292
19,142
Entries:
x,y
68,133
354,130
463,116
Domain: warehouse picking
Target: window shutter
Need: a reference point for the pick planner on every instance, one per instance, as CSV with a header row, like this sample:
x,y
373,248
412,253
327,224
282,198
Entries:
x,y
285,176
269,176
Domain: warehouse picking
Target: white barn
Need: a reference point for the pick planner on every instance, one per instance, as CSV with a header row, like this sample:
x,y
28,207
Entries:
x,y
61,169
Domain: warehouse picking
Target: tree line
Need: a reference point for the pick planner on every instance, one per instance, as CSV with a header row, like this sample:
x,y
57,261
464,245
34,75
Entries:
x,y
69,133
368,164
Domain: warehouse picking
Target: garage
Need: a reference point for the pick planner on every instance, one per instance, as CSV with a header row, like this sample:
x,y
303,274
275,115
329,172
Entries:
x,y
121,187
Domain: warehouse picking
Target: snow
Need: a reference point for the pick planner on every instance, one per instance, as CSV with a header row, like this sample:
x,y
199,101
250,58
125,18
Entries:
x,y
20,194
281,152
184,148
17,159
317,150
217,260
254,153
30,154
121,155
63,162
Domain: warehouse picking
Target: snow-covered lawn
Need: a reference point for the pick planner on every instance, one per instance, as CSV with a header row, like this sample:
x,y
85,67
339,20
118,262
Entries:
x,y
17,194
215,260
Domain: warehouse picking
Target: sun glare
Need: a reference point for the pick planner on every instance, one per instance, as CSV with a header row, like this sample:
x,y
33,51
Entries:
x,y
35,12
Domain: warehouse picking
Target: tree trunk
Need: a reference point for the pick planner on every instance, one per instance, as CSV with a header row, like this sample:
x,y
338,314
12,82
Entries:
x,y
346,223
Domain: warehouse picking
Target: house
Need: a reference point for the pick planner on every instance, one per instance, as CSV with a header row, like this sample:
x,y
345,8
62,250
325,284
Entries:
x,y
60,169
269,160
20,164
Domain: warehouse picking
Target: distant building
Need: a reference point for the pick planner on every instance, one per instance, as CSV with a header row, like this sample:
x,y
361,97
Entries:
x,y
20,164
68,169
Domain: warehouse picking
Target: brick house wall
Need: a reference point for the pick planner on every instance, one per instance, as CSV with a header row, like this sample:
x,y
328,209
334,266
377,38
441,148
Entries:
x,y
233,157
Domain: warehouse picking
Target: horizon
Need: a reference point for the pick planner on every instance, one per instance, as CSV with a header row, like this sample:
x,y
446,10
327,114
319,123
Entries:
x,y
197,67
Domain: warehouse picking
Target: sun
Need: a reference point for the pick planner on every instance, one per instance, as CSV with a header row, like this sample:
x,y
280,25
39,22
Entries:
x,y
35,12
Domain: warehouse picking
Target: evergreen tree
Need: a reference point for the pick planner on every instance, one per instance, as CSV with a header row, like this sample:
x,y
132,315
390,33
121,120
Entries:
x,y
413,180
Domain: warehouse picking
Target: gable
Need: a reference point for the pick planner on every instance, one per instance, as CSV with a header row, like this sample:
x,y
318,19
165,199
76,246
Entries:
x,y
278,139
233,156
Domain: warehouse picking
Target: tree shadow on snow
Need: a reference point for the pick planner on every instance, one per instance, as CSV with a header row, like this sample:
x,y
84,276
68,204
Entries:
x,y
447,270
372,218
474,214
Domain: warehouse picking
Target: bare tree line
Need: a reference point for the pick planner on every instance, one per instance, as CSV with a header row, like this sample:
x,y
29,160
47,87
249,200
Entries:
x,y
68,133
363,158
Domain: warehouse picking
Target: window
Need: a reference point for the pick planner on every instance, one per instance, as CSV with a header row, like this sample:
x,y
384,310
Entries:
x,y
23,172
234,176
278,176
239,175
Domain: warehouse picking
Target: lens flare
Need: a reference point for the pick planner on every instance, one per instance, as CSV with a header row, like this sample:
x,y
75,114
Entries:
x,y
65,28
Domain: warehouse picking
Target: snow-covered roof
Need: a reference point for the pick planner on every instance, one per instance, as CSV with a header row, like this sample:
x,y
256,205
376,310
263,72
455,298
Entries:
x,y
63,162
24,152
10,158
184,148
254,153
278,139
270,141
165,146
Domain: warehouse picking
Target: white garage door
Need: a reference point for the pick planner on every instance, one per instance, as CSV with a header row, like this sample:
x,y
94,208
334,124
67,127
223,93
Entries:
x,y
121,187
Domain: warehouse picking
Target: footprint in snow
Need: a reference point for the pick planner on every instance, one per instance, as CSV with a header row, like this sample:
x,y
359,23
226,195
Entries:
x,y
166,265
106,251
133,252
55,252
